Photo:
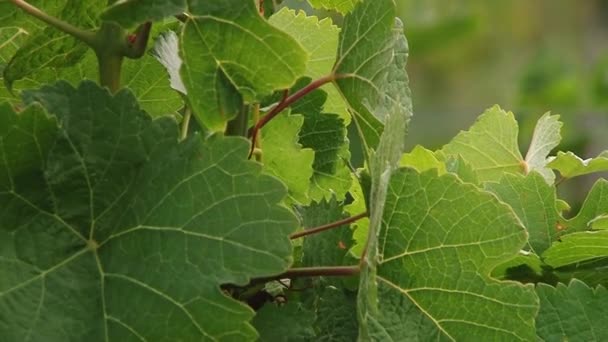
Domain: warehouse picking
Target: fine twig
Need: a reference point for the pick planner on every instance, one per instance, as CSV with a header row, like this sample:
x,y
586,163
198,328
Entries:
x,y
286,102
328,226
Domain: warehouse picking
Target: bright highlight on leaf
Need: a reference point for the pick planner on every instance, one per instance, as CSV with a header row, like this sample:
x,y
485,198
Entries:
x,y
118,225
342,6
546,137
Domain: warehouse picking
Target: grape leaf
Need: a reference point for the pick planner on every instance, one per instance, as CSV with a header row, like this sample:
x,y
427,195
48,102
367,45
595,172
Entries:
x,y
326,135
545,138
25,139
131,12
595,204
123,233
360,227
577,247
570,165
370,69
336,319
600,222
320,39
51,48
342,6
229,51
534,202
285,158
290,322
489,146
439,241
572,313
422,160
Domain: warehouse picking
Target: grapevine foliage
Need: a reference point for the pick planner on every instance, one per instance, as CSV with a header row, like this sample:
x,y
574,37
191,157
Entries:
x,y
167,202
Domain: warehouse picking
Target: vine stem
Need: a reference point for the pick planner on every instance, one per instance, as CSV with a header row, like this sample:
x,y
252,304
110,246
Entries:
x,y
300,272
85,36
328,226
286,102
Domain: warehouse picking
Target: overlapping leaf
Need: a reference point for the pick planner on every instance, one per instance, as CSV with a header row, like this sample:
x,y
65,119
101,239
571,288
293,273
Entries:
x,y
320,39
572,313
132,12
546,137
121,227
342,6
570,165
51,48
285,158
595,205
490,145
460,233
534,202
370,67
577,247
231,54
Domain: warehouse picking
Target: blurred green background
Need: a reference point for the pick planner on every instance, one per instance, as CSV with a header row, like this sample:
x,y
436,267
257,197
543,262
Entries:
x,y
529,57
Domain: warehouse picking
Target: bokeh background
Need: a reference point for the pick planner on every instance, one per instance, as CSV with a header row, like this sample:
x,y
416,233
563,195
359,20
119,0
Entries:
x,y
529,57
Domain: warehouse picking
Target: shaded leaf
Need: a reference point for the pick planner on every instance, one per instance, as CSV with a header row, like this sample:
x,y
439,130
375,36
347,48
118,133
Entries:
x,y
489,146
534,202
572,313
546,137
230,51
326,135
577,247
131,12
122,223
570,165
51,48
290,322
440,224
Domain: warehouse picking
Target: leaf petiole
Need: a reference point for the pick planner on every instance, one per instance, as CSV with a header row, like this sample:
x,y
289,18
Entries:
x,y
328,226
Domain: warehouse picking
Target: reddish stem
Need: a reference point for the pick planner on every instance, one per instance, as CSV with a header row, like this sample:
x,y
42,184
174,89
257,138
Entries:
x,y
328,226
261,7
286,102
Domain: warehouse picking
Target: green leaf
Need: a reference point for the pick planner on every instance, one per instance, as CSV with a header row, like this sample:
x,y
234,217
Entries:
x,y
336,319
422,160
577,247
326,135
342,6
230,53
570,165
546,137
489,146
121,226
525,262
320,39
51,48
534,202
370,69
290,322
328,248
600,222
285,158
360,227
438,244
131,12
456,165
572,313
595,204
25,140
